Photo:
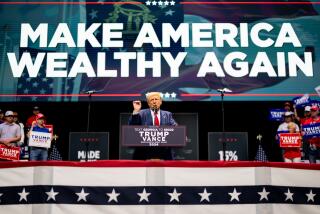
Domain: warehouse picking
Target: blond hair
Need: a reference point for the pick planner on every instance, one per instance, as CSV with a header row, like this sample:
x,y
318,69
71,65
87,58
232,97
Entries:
x,y
292,125
151,94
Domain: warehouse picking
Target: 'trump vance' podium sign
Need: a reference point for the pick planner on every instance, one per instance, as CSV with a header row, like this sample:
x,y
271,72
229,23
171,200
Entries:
x,y
153,136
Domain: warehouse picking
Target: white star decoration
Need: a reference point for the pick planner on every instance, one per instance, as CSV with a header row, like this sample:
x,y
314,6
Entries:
x,y
42,91
234,195
144,195
23,195
93,14
174,196
160,3
35,84
168,95
173,95
82,195
169,12
205,195
264,194
289,195
52,194
311,196
113,196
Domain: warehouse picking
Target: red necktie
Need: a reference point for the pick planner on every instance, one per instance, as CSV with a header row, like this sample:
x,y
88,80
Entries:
x,y
156,120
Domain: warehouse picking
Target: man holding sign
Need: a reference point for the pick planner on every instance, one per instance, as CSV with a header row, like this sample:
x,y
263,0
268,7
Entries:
x,y
311,133
38,153
9,136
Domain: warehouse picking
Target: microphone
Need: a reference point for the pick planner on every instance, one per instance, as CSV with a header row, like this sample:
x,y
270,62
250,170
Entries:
x,y
93,91
90,92
224,90
155,110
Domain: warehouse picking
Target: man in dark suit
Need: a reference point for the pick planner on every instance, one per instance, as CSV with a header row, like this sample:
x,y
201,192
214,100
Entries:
x,y
151,117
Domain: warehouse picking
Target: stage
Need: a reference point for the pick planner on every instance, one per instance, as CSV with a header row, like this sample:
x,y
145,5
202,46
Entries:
x,y
159,187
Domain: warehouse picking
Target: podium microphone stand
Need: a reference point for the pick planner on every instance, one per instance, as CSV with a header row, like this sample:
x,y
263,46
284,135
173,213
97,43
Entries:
x,y
222,92
88,118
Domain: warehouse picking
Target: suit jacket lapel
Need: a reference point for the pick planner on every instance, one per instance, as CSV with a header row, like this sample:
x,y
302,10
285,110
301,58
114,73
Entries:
x,y
162,118
149,118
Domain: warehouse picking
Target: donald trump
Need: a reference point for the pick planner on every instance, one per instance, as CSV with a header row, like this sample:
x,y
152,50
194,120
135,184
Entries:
x,y
153,116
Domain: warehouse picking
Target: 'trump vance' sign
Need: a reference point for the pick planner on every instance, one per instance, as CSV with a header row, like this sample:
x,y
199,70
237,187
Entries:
x,y
40,139
153,136
290,140
311,130
9,153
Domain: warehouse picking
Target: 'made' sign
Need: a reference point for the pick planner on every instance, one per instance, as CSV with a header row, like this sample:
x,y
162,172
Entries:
x,y
153,136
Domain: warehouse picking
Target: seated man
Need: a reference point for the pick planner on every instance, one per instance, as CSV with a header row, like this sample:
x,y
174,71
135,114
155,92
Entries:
x,y
152,116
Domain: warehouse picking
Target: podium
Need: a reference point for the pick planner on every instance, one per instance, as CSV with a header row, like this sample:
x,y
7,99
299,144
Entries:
x,y
153,142
188,152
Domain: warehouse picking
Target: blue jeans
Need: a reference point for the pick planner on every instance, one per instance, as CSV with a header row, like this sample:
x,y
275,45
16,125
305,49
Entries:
x,y
38,154
314,154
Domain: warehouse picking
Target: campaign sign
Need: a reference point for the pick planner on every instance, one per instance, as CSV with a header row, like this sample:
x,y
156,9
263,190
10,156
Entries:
x,y
49,127
311,130
153,136
40,139
290,140
301,101
9,153
90,146
276,114
314,103
188,152
236,146
279,133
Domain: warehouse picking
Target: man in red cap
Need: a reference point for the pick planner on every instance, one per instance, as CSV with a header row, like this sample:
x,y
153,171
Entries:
x,y
314,143
37,153
32,118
